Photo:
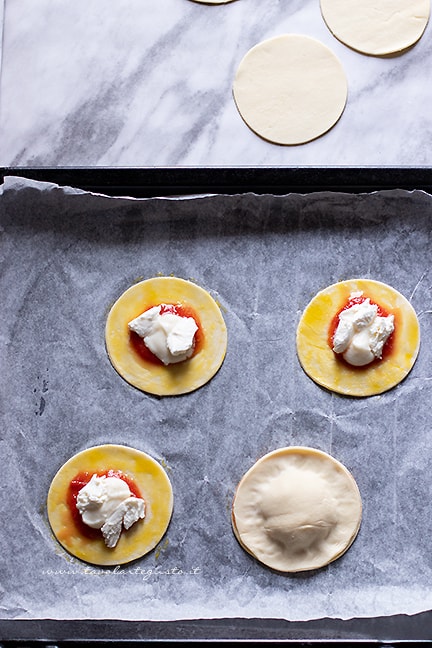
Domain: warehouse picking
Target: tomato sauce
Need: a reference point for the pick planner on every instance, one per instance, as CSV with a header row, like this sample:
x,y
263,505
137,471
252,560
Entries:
x,y
78,482
381,312
182,310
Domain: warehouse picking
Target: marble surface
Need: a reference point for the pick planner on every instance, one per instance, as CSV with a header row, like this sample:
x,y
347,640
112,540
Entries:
x,y
148,83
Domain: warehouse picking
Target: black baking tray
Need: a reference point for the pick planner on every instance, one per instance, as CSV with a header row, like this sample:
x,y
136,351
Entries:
x,y
153,181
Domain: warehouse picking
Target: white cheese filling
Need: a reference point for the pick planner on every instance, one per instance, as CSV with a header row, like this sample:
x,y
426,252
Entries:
x,y
362,333
106,503
169,336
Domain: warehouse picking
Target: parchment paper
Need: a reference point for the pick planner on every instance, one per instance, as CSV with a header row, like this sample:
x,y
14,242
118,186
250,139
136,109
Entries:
x,y
66,256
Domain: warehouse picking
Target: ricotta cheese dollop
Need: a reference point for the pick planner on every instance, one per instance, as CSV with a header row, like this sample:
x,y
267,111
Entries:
x,y
106,503
361,333
169,336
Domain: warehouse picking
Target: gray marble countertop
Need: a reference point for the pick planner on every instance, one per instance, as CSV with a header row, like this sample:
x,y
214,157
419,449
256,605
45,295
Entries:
x,y
148,83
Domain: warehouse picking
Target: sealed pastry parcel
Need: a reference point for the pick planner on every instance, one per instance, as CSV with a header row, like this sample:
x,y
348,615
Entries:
x,y
67,257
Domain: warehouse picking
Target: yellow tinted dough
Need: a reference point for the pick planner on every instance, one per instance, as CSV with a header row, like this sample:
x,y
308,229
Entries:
x,y
296,509
290,89
153,484
376,27
321,363
178,378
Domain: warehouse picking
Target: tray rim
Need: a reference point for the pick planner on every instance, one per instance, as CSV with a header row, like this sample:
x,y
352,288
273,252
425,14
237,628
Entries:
x,y
367,631
145,182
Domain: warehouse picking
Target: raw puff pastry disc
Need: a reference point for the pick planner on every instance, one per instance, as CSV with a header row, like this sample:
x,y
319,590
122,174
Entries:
x,y
296,509
153,484
212,1
325,368
290,89
174,379
376,27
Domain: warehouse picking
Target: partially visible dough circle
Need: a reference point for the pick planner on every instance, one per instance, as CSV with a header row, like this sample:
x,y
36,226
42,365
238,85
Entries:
x,y
296,509
178,378
376,28
153,484
290,89
212,1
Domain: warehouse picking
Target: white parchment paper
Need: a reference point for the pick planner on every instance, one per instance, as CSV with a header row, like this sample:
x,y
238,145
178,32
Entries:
x,y
66,256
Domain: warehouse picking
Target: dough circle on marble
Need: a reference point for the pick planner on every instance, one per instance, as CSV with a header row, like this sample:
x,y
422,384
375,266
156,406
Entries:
x,y
376,28
212,1
153,484
173,379
290,89
296,509
323,365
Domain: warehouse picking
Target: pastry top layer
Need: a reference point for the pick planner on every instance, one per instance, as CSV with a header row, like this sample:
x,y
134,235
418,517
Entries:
x,y
296,509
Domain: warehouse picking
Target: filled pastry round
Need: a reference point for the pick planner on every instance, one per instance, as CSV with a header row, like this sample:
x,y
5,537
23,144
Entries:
x,y
148,480
152,376
329,369
296,509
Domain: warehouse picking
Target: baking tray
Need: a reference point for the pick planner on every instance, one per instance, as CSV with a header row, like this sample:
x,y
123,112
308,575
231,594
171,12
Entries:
x,y
383,631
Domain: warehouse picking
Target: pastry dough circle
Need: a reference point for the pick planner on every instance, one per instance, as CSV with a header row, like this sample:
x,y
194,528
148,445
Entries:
x,y
325,368
290,89
376,28
212,1
153,484
296,509
174,379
